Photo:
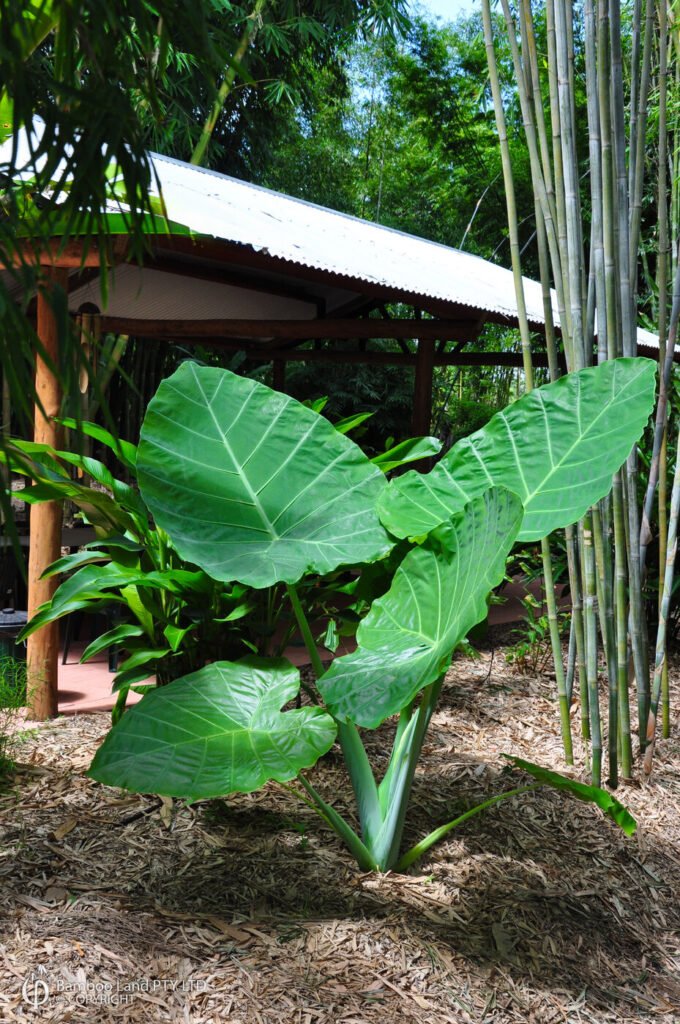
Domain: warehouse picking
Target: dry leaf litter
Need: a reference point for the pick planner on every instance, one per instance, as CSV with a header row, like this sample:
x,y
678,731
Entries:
x,y
117,907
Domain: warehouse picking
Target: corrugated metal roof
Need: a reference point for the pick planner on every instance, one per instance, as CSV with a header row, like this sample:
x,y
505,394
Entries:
x,y
291,229
215,205
218,206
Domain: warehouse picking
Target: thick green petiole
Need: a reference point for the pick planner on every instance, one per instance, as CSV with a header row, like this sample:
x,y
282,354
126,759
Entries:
x,y
381,810
405,757
407,723
353,750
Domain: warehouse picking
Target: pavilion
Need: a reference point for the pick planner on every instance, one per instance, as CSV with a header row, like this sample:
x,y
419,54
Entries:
x,y
243,268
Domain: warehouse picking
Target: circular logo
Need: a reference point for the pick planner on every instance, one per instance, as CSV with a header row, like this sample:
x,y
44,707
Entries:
x,y
35,990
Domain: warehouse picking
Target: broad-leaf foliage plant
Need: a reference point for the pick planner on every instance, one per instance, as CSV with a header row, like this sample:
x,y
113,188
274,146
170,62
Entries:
x,y
259,490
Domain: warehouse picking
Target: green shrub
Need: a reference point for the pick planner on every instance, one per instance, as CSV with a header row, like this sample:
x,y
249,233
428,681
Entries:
x,y
465,416
13,698
531,652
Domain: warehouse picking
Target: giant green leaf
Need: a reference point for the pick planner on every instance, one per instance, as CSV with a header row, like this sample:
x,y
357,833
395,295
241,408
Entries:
x,y
557,448
438,594
253,486
219,730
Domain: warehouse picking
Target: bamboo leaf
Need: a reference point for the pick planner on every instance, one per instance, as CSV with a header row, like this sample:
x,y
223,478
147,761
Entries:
x,y
6,117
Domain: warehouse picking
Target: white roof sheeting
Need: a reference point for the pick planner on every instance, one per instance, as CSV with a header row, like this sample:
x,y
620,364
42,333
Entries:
x,y
215,205
297,231
292,229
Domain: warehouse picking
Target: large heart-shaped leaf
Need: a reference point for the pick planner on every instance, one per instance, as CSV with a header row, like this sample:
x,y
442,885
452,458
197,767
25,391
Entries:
x,y
219,730
438,594
253,486
557,448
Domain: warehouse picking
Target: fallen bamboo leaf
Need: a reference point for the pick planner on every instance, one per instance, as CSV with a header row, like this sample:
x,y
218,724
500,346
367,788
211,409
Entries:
x,y
64,829
56,894
165,810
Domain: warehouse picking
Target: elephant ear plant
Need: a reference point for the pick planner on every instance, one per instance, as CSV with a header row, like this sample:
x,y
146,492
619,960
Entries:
x,y
255,488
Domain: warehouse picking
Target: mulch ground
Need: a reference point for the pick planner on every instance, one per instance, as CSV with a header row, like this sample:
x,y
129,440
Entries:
x,y
125,908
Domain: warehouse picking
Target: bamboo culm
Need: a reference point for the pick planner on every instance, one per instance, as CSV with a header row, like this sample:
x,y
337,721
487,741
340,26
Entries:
x,y
663,614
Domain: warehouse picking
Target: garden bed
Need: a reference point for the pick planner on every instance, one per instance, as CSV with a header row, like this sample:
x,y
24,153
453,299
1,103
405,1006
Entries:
x,y
121,907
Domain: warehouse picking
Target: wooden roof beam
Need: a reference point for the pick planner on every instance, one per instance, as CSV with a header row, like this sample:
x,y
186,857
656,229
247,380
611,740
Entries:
x,y
70,256
298,330
370,357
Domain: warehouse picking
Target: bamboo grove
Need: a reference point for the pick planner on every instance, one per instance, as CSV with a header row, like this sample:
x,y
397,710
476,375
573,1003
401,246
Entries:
x,y
588,196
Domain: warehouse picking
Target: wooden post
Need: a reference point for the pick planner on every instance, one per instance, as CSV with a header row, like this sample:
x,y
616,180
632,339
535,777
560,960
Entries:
x,y
279,375
422,395
45,539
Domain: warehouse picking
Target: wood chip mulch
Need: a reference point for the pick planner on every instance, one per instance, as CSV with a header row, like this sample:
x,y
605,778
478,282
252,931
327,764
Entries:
x,y
127,908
